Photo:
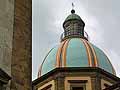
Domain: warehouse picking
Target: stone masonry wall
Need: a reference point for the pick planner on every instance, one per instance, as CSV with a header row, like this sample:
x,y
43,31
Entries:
x,y
6,34
22,46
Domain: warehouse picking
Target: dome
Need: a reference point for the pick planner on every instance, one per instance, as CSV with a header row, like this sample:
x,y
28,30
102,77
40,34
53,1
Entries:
x,y
73,16
75,52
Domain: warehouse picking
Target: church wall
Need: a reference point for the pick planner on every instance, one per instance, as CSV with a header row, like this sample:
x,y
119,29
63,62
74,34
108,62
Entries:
x,y
104,82
21,64
107,81
88,84
52,83
88,79
6,34
62,81
16,42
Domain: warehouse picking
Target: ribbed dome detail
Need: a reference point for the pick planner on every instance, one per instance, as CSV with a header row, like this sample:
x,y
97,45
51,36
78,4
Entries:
x,y
75,52
73,16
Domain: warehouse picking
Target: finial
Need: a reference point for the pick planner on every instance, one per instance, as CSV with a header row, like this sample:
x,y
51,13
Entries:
x,y
73,5
73,11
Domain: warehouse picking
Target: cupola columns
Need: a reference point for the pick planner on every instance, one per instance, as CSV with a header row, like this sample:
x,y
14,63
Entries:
x,y
73,27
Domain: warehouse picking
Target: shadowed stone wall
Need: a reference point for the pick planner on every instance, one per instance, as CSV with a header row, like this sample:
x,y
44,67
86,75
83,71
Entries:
x,y
21,64
6,34
16,42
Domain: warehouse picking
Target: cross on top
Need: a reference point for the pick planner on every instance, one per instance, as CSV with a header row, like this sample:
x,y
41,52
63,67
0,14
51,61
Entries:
x,y
73,5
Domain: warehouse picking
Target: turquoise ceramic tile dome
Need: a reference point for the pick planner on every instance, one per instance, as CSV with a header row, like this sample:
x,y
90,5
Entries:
x,y
75,52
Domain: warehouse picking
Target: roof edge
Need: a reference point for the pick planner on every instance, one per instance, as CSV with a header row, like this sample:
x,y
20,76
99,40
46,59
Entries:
x,y
75,69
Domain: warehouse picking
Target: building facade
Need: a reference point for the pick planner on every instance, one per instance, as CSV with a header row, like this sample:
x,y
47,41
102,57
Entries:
x,y
75,64
15,44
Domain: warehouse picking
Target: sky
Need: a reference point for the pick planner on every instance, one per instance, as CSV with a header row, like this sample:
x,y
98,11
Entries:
x,y
101,17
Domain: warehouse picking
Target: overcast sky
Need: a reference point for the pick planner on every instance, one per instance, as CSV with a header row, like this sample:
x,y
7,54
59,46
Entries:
x,y
102,19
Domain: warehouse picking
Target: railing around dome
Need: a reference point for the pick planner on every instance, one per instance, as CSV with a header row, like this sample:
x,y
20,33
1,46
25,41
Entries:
x,y
65,36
